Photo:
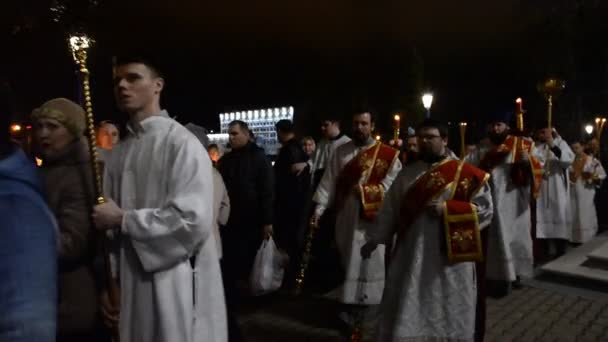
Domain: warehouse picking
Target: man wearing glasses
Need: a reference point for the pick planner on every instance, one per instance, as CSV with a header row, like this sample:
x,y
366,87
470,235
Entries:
x,y
436,208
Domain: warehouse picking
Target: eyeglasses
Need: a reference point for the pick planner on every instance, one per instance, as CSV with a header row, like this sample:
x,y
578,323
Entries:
x,y
428,137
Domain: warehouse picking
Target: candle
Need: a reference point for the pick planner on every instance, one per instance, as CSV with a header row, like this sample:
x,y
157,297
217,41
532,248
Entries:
x,y
463,128
397,119
518,105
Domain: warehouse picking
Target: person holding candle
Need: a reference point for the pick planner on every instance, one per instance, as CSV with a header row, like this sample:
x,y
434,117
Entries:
x,y
586,175
508,240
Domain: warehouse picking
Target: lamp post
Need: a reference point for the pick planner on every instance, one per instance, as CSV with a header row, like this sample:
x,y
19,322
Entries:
x,y
427,101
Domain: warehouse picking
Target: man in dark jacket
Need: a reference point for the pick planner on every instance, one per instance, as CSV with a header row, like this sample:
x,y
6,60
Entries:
x,y
291,188
28,257
248,177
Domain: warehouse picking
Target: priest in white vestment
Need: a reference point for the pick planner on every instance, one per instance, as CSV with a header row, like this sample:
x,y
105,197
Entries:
x,y
426,298
586,175
554,200
351,228
159,190
507,159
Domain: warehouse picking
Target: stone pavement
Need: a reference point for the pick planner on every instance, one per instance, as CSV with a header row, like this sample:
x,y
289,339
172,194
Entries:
x,y
529,314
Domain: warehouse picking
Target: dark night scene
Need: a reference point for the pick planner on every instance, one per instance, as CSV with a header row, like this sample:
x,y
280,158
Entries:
x,y
291,171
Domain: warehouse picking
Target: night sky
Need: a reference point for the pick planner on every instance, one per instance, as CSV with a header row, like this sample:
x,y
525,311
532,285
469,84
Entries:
x,y
322,56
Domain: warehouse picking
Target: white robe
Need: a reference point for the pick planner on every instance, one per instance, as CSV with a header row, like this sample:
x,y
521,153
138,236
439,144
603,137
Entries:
x,y
509,236
221,208
351,230
554,201
583,215
161,176
324,150
425,299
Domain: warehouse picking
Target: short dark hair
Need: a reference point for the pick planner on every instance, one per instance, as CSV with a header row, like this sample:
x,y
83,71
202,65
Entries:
x,y
334,118
149,62
242,125
285,126
365,109
212,146
432,123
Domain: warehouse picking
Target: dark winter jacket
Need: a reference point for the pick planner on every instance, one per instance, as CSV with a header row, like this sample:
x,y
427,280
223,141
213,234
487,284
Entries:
x,y
248,177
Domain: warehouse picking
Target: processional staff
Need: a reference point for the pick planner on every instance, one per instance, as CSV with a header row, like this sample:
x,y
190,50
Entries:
x,y
79,45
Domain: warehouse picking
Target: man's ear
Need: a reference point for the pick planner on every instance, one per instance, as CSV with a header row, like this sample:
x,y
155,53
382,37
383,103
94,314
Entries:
x,y
160,84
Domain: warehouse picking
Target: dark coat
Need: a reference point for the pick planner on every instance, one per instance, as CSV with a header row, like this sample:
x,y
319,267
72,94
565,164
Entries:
x,y
248,176
69,187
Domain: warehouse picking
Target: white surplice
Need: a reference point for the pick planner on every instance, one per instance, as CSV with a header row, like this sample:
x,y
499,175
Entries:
x,y
553,203
509,236
583,215
425,299
351,231
325,149
162,177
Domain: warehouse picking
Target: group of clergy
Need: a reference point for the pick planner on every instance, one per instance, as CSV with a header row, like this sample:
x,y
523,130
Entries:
x,y
420,240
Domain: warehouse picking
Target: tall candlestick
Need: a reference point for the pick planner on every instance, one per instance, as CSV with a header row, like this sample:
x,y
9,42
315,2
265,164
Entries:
x,y
520,114
396,128
463,128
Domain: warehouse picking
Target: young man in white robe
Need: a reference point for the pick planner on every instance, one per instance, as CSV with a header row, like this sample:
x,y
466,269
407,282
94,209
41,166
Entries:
x,y
332,138
553,203
436,208
355,180
159,200
586,175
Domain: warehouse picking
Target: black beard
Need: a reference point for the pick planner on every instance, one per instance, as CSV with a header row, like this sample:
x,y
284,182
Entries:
x,y
430,157
498,138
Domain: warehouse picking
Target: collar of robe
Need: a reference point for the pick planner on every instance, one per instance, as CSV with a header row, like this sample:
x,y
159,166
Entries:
x,y
145,125
340,135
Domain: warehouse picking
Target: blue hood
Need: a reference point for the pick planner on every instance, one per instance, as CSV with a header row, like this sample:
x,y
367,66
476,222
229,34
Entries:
x,y
17,171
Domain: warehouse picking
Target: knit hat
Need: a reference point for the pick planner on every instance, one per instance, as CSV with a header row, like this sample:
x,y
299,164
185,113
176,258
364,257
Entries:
x,y
67,112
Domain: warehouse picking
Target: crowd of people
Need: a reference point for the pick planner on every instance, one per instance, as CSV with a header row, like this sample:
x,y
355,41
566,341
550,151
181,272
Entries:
x,y
410,238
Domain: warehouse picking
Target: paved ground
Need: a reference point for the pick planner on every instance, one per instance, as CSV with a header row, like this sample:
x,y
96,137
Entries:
x,y
537,312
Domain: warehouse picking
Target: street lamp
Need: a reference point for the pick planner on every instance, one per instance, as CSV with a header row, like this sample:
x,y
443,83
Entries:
x,y
427,101
589,129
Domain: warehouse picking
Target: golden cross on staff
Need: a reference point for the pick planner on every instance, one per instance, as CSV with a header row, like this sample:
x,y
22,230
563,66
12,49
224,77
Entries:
x,y
79,45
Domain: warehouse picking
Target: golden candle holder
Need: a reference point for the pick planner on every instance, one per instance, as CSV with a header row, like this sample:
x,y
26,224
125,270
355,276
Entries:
x,y
79,45
396,129
599,127
519,112
551,88
463,129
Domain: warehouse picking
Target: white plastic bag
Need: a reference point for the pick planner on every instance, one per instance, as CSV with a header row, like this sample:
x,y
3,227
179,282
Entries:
x,y
268,269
